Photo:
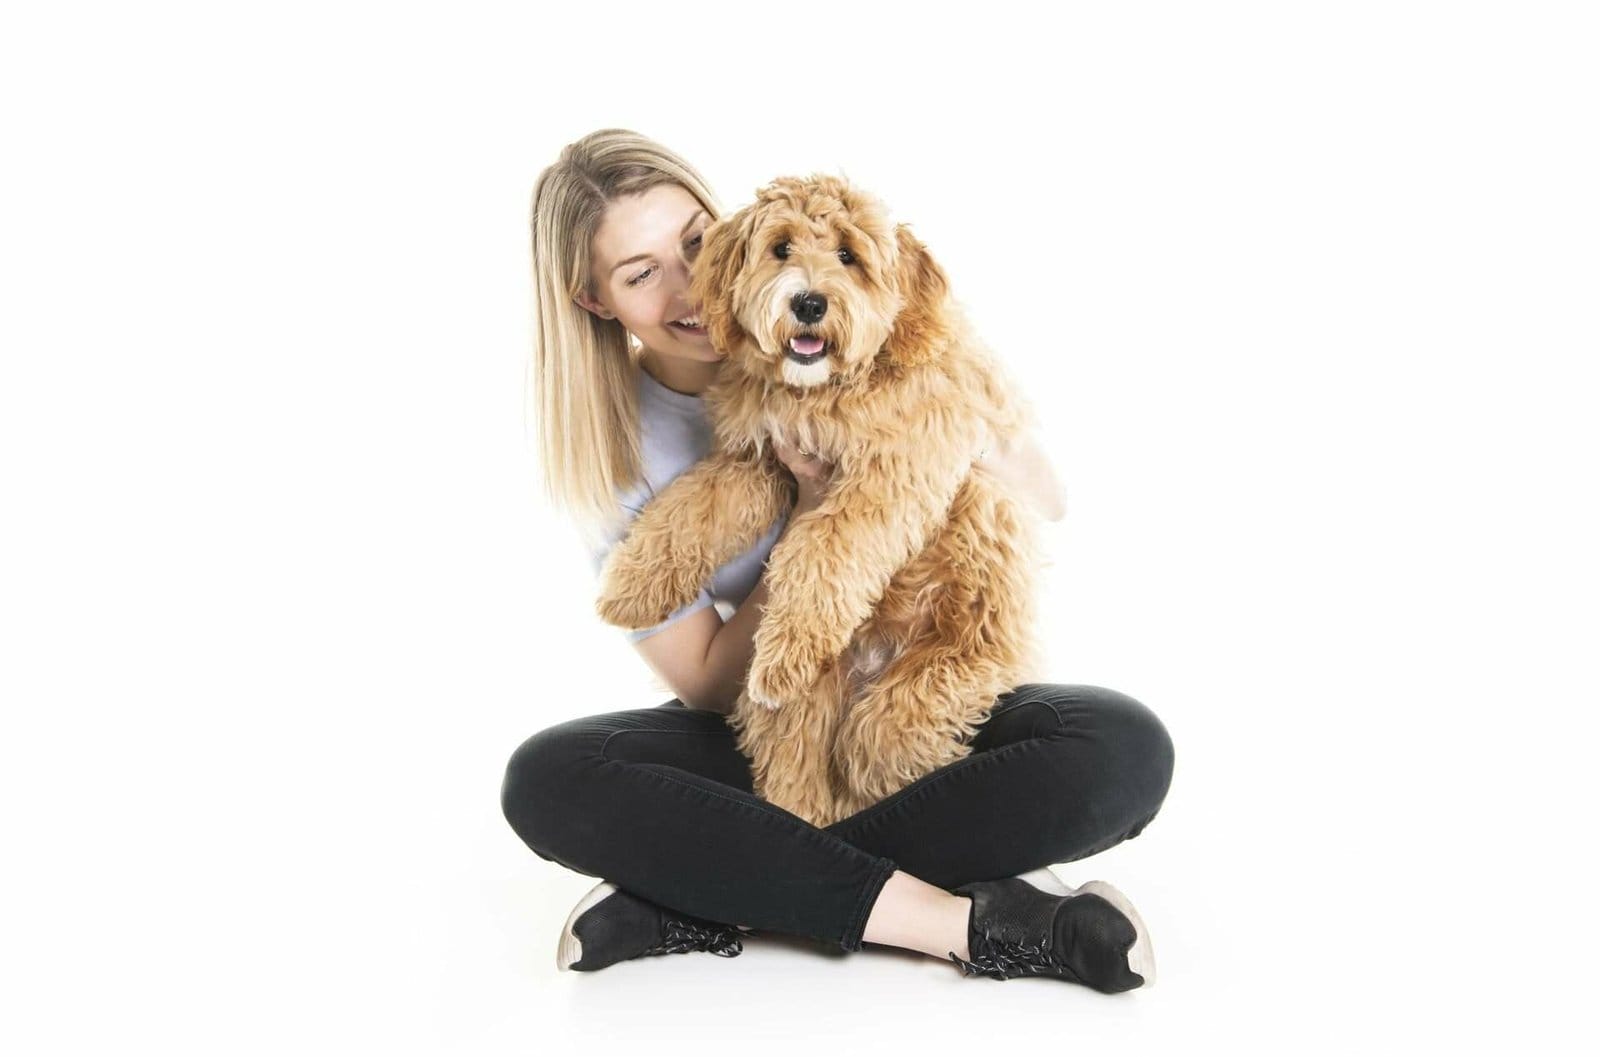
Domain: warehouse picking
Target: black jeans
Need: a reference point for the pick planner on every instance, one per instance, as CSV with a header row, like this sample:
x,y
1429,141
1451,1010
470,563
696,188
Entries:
x,y
658,801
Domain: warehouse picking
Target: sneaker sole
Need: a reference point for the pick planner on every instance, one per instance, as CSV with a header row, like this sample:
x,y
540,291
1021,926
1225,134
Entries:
x,y
570,949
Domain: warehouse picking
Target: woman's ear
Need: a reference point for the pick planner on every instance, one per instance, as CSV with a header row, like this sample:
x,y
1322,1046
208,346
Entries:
x,y
921,326
585,301
714,279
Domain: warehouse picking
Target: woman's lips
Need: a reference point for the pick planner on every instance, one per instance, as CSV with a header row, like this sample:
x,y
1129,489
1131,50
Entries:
x,y
698,332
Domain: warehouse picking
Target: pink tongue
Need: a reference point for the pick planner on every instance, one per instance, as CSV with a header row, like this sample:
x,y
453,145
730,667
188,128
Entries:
x,y
806,346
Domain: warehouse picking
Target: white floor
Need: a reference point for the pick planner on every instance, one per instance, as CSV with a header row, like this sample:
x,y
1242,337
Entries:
x,y
1260,948
371,899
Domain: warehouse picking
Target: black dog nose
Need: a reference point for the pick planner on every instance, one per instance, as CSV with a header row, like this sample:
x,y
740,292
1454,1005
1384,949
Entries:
x,y
809,308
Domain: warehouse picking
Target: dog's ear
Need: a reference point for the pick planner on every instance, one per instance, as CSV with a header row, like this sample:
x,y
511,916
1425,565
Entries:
x,y
715,275
921,325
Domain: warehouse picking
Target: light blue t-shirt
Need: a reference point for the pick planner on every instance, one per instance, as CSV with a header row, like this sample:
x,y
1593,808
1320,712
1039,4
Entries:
x,y
675,434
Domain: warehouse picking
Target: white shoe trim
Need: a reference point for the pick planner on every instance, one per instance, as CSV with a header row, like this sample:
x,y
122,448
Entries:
x,y
570,949
1141,958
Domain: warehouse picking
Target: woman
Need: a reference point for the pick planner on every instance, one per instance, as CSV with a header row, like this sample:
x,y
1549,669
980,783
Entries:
x,y
657,801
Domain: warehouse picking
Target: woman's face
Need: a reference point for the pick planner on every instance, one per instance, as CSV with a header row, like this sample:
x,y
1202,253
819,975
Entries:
x,y
642,252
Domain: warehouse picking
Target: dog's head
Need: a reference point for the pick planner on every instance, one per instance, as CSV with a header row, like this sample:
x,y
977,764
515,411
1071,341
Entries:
x,y
810,284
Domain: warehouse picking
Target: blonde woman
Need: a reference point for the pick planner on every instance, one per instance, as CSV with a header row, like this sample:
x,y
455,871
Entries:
x,y
656,802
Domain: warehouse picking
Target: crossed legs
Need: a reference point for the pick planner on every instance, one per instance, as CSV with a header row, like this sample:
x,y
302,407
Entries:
x,y
658,801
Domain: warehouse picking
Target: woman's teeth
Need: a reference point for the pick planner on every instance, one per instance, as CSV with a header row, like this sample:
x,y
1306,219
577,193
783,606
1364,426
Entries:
x,y
689,323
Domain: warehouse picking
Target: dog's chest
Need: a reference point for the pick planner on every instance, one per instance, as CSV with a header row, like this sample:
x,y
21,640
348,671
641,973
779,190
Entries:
x,y
865,658
880,640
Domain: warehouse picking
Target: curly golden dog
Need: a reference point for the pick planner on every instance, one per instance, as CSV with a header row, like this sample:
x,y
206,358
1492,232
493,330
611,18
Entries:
x,y
902,607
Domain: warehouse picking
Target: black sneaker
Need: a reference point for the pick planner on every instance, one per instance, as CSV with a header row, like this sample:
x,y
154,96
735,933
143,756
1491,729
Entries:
x,y
610,925
1093,936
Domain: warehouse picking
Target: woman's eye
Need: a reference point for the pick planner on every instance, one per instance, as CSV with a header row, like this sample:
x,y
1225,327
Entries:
x,y
846,256
781,251
637,279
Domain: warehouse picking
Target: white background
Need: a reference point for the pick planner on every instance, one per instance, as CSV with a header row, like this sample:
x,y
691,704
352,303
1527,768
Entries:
x,y
1305,296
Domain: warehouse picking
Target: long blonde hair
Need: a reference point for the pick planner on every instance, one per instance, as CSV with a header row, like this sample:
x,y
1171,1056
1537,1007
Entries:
x,y
585,369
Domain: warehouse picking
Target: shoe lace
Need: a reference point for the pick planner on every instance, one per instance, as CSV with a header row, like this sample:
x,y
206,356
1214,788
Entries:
x,y
1002,958
682,935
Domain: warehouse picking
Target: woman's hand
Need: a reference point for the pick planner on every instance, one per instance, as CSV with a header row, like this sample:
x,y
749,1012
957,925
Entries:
x,y
1022,465
810,473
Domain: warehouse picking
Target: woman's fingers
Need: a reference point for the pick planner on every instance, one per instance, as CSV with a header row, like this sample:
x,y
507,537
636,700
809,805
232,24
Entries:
x,y
812,475
812,468
799,464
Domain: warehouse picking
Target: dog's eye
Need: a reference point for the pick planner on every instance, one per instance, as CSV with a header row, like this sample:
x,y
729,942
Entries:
x,y
846,256
781,251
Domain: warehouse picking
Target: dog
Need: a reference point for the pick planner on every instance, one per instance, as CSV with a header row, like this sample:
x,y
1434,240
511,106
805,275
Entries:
x,y
901,608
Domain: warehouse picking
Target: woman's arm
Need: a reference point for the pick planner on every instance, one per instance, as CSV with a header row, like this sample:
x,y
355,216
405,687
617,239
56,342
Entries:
x,y
728,657
1023,466
714,679
702,658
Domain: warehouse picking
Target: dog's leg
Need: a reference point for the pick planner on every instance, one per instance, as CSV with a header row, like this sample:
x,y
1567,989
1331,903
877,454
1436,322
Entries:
x,y
972,642
790,752
835,562
706,517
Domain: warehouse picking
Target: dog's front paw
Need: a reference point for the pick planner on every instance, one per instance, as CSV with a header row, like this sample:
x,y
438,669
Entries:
x,y
757,690
634,595
628,611
778,677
